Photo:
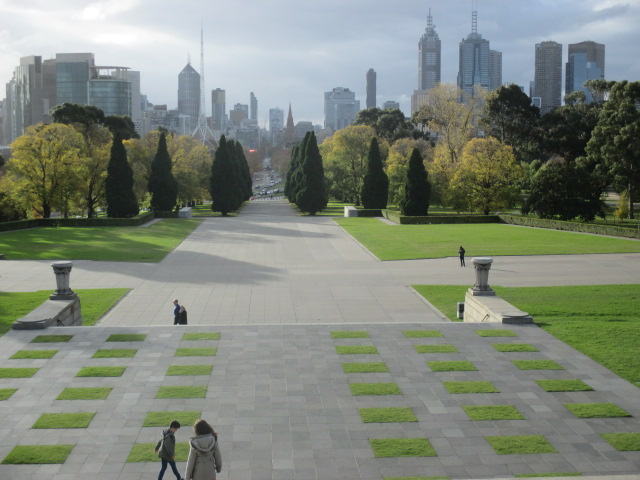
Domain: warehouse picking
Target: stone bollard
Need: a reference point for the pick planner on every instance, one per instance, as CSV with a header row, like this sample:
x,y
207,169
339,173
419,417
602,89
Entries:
x,y
482,266
63,272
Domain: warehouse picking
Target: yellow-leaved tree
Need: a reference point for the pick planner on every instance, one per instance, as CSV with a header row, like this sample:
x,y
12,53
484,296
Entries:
x,y
397,160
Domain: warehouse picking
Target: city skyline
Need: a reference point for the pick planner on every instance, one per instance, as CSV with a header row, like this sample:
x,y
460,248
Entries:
x,y
291,53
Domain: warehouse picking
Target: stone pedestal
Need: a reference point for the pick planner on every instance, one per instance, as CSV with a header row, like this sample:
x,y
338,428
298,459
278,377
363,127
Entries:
x,y
482,266
62,271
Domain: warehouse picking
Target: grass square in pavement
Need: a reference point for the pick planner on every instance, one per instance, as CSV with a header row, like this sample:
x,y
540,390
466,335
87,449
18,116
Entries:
x,y
374,389
101,372
387,415
520,444
18,372
96,393
422,334
5,393
623,442
596,410
573,385
537,365
127,337
193,391
163,419
401,447
514,347
355,349
38,454
196,352
365,367
452,366
496,333
349,334
189,370
33,354
201,336
554,474
416,478
143,452
64,420
52,338
493,412
482,386
115,353
446,348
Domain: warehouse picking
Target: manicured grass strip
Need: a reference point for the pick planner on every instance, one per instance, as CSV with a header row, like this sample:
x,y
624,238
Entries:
x,y
493,412
52,338
401,447
97,393
349,334
371,367
38,454
596,410
623,442
452,366
64,420
163,419
470,387
537,365
115,353
558,474
422,334
101,372
33,354
18,372
143,452
6,393
355,349
448,348
416,478
514,347
201,336
127,337
520,444
496,333
190,370
374,389
564,385
196,352
195,391
387,415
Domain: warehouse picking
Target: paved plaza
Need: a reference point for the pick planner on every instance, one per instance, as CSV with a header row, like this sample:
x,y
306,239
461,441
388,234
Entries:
x,y
274,285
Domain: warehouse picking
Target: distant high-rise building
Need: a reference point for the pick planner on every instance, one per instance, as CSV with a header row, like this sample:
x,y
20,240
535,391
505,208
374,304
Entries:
x,y
371,88
585,62
340,108
189,98
110,90
429,57
473,71
302,128
276,125
390,105
73,71
253,102
548,75
495,69
239,113
218,109
136,104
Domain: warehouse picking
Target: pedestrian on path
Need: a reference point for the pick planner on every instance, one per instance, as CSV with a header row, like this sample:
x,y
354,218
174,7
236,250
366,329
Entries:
x,y
176,312
204,455
461,252
166,450
183,315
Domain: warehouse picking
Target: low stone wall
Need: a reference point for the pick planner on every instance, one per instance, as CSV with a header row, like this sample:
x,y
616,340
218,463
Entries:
x,y
185,213
350,212
52,313
491,308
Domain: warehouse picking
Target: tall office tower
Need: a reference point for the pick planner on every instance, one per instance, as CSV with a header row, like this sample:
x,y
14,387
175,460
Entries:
x,y
73,72
110,90
585,62
253,103
136,100
188,98
218,109
548,76
474,60
495,69
340,108
371,88
239,113
28,105
429,57
276,125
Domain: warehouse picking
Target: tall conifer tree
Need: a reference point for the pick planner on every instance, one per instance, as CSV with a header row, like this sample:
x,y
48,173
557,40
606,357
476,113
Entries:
x,y
375,187
162,184
223,190
121,200
296,176
417,188
312,196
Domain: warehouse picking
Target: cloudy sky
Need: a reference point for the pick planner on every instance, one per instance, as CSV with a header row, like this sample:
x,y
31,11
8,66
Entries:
x,y
292,51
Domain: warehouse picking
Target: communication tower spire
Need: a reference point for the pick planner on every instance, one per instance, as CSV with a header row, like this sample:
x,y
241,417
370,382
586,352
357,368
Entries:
x,y
202,131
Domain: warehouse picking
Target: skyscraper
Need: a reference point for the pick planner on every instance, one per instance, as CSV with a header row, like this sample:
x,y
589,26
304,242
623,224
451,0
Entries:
x,y
371,88
253,102
548,75
429,61
585,62
340,108
73,72
495,69
218,109
189,98
474,60
110,90
136,104
276,125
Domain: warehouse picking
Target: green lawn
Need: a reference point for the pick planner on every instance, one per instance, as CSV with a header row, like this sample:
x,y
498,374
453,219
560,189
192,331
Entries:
x,y
33,354
374,389
520,445
445,348
596,410
112,244
452,366
401,447
64,420
349,334
163,419
96,393
115,353
355,349
387,415
38,454
101,372
143,452
492,412
365,367
405,242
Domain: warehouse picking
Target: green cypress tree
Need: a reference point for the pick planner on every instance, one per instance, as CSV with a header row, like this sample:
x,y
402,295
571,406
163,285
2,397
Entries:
x,y
296,176
246,182
121,201
312,195
162,184
238,187
417,188
223,190
375,187
293,163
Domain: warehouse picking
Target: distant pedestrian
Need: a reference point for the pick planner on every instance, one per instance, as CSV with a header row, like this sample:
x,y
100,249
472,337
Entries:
x,y
461,252
183,315
204,455
176,312
166,450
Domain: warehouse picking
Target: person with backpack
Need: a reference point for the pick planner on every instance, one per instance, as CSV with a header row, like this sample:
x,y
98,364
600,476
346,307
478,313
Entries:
x,y
204,454
166,450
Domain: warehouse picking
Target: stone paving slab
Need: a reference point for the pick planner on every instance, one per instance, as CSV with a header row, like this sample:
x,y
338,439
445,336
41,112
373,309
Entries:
x,y
281,403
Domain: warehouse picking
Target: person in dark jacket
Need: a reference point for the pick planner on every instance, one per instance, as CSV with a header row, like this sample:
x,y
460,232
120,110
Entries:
x,y
183,315
176,312
461,253
166,450
204,455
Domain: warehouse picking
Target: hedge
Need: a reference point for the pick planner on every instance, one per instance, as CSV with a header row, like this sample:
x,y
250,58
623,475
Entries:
x,y
77,222
369,212
439,219
594,228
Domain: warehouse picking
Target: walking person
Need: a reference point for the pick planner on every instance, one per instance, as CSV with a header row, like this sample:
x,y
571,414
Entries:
x,y
176,312
183,315
204,455
461,252
166,450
